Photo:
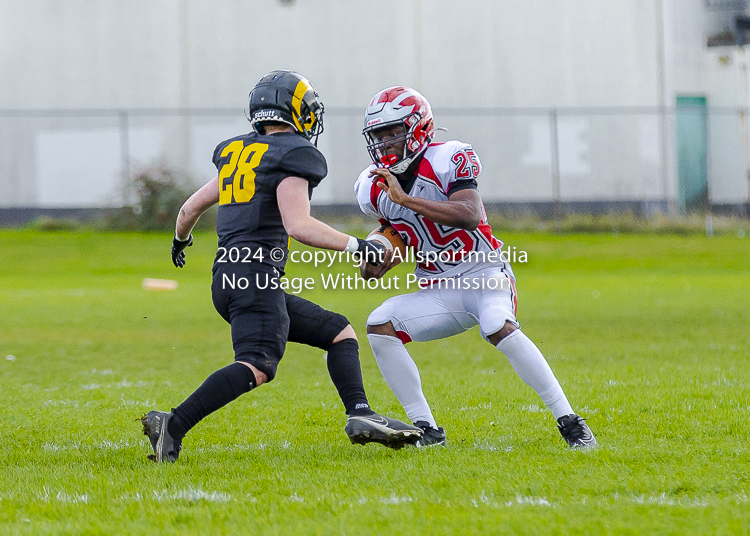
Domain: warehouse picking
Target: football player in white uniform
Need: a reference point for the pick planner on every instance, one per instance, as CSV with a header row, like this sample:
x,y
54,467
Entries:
x,y
428,192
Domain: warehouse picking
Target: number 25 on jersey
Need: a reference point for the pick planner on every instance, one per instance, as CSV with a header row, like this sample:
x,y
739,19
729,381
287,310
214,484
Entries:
x,y
241,168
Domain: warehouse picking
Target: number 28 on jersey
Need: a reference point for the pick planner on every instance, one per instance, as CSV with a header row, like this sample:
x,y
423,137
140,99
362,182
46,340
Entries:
x,y
237,177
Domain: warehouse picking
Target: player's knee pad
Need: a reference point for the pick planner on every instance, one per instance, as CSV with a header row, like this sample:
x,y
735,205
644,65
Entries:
x,y
382,315
265,363
335,324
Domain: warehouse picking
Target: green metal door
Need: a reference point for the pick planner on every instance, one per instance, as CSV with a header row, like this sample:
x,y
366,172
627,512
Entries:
x,y
692,166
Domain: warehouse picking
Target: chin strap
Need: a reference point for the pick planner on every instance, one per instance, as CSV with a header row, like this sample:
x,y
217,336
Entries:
x,y
402,165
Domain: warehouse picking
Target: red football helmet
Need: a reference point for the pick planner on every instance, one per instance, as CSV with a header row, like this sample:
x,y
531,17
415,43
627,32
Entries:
x,y
404,106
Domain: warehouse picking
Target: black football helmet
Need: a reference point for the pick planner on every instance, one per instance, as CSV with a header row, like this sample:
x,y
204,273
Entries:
x,y
286,97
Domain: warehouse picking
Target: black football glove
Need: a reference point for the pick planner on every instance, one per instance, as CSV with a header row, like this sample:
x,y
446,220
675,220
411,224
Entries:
x,y
178,250
371,251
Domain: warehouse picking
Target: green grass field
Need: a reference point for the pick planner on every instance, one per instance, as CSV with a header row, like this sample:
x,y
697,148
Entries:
x,y
648,335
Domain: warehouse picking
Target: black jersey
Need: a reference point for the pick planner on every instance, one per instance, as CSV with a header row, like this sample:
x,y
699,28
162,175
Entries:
x,y
251,167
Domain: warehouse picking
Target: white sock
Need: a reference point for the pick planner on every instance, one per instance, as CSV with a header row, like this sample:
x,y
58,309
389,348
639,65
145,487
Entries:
x,y
530,365
402,376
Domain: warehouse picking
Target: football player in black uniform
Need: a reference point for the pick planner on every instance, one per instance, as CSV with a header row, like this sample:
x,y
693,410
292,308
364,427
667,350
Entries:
x,y
263,190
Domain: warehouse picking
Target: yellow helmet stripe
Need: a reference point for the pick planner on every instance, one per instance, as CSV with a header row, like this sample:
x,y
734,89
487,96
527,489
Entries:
x,y
303,86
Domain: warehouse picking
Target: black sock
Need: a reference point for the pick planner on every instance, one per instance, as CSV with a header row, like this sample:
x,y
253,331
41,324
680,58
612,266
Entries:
x,y
219,389
343,366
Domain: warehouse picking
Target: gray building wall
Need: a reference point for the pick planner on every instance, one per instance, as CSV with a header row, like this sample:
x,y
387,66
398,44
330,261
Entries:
x,y
144,83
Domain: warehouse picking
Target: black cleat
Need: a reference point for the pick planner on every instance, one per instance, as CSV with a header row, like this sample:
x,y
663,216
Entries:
x,y
379,429
155,426
431,437
576,432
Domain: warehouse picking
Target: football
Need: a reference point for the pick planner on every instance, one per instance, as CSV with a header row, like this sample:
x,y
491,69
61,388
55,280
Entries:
x,y
389,237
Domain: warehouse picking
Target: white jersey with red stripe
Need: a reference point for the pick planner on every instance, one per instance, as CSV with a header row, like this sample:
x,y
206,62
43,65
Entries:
x,y
456,251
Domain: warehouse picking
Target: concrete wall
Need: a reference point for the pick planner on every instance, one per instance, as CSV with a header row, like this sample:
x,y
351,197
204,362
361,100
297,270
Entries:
x,y
519,57
163,53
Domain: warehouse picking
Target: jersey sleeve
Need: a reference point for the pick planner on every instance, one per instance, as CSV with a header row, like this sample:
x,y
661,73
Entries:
x,y
367,193
218,160
457,186
456,166
305,162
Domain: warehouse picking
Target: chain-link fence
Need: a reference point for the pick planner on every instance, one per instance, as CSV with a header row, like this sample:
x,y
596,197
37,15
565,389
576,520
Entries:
x,y
640,159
